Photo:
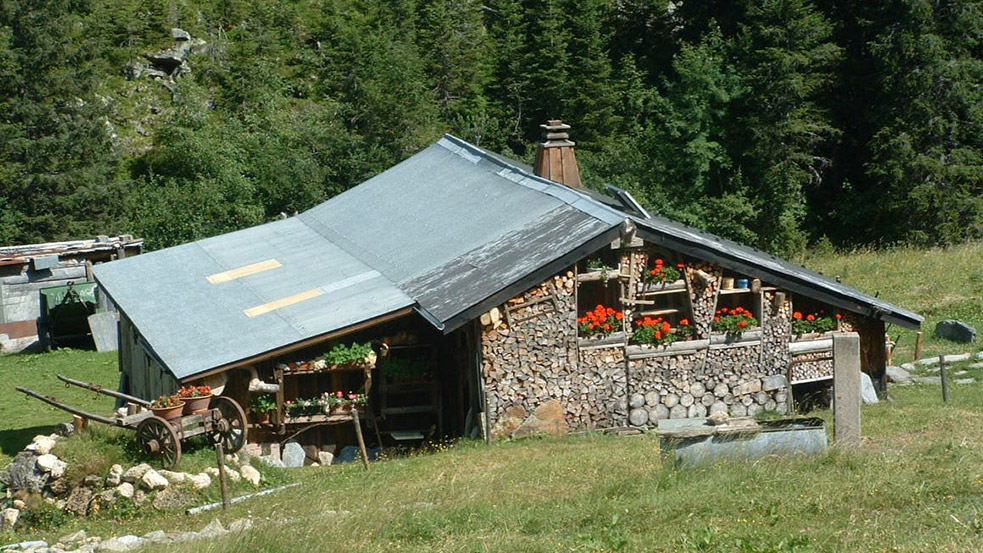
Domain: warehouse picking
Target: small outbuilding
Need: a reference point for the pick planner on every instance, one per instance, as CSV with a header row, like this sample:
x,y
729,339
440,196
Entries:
x,y
493,299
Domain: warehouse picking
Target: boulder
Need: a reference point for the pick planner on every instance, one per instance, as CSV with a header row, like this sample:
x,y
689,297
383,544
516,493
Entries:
x,y
251,475
546,419
73,538
122,543
115,475
272,461
232,474
52,465
9,518
134,474
24,474
509,421
58,486
42,445
199,481
957,331
213,529
94,481
324,458
174,477
240,525
180,35
927,379
106,496
867,391
293,454
898,375
78,501
125,490
153,480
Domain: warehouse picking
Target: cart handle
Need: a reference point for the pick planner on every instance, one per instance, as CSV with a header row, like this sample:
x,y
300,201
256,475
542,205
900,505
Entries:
x,y
99,389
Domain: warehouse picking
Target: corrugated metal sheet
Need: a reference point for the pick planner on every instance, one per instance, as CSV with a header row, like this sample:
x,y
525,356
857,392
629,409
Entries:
x,y
193,325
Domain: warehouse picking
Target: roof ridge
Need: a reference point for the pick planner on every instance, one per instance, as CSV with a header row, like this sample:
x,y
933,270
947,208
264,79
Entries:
x,y
556,190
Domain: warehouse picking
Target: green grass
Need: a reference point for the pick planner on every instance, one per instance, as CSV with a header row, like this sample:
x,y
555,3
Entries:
x,y
938,284
23,417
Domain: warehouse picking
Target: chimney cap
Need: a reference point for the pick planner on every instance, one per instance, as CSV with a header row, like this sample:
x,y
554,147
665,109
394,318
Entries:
x,y
554,134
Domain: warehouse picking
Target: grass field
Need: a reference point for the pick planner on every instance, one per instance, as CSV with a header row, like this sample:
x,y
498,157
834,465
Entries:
x,y
916,485
937,284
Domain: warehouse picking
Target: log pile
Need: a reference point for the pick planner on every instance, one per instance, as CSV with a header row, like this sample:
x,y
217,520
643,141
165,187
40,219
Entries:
x,y
603,386
530,353
703,279
809,366
674,387
776,331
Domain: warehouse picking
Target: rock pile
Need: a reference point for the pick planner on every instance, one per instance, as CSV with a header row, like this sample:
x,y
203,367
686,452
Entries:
x,y
36,471
81,542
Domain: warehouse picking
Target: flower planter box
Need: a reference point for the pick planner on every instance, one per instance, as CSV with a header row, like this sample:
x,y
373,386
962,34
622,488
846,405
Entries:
x,y
749,336
613,339
654,287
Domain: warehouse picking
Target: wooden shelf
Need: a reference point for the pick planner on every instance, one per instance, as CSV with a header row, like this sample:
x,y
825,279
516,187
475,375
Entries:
x,y
600,276
735,291
657,312
808,380
322,371
662,292
409,409
307,419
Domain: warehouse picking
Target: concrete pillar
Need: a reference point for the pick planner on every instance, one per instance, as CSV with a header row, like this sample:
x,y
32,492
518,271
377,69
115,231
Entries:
x,y
846,389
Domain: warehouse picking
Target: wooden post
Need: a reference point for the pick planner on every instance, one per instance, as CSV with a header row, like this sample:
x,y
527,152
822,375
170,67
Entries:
x,y
79,423
358,436
918,345
223,486
889,349
945,379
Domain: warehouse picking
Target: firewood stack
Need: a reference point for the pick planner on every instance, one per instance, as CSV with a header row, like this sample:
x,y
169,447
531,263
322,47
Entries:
x,y
703,281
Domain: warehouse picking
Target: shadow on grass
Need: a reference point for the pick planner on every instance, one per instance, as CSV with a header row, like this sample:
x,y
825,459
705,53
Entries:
x,y
13,441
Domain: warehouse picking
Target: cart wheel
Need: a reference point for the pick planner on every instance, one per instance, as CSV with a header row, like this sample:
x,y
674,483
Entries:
x,y
232,427
156,436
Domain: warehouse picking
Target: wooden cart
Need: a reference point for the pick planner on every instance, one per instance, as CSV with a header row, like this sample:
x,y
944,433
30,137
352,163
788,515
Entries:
x,y
224,422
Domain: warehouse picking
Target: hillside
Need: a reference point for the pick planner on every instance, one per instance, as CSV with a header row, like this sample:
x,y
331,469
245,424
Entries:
x,y
774,123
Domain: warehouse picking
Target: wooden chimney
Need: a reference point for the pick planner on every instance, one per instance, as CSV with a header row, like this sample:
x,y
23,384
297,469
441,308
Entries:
x,y
555,159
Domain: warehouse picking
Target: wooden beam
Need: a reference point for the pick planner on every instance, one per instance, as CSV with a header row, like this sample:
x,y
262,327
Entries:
x,y
282,302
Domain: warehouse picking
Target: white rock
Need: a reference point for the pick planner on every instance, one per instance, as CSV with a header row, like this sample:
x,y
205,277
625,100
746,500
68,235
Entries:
x,y
200,480
115,475
73,538
42,445
240,525
867,391
19,504
125,490
212,471
153,480
9,517
250,474
174,477
53,465
232,459
213,529
134,474
122,543
325,458
232,474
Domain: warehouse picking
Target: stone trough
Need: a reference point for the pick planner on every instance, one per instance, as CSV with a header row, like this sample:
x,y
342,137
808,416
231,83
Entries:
x,y
695,442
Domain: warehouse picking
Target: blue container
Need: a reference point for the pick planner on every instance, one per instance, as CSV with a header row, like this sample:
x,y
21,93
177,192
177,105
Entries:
x,y
742,283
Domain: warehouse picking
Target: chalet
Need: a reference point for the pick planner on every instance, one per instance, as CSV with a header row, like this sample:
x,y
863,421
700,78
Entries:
x,y
486,291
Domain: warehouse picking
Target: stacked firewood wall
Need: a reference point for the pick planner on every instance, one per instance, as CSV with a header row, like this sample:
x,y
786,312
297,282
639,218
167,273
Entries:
x,y
812,366
603,386
776,331
704,280
530,353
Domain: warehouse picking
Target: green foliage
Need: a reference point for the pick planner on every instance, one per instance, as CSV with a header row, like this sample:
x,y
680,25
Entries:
x,y
262,403
342,354
812,322
404,368
769,122
733,321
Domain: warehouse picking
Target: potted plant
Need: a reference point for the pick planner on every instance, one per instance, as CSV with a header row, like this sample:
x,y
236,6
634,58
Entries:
x,y
662,274
818,322
601,321
195,398
167,407
653,331
733,322
262,407
354,356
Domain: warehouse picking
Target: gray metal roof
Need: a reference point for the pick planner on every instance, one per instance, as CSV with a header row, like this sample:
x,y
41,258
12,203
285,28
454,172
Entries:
x,y
771,269
193,325
452,231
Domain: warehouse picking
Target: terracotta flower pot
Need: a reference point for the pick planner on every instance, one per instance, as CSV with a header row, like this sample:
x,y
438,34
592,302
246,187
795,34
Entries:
x,y
168,413
196,404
